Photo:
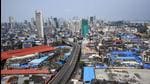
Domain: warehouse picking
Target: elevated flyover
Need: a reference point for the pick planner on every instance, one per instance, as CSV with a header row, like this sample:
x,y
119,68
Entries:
x,y
66,71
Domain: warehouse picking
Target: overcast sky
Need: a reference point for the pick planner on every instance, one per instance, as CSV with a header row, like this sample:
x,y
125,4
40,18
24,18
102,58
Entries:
x,y
105,9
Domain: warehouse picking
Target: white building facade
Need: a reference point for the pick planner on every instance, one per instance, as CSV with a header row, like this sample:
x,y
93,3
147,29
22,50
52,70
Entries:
x,y
39,23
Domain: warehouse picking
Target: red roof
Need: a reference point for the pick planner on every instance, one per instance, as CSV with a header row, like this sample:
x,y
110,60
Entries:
x,y
24,71
25,51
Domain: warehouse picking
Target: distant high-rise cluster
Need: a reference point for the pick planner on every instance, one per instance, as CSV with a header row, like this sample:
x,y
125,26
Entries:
x,y
39,23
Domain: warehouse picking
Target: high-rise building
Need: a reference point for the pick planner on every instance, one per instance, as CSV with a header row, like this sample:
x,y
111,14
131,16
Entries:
x,y
85,28
56,23
11,21
49,22
91,19
33,21
75,26
25,22
39,23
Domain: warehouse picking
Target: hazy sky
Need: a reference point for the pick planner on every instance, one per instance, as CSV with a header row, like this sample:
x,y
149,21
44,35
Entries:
x,y
105,9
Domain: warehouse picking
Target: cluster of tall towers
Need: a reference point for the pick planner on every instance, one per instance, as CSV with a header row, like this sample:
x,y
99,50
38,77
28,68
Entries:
x,y
39,24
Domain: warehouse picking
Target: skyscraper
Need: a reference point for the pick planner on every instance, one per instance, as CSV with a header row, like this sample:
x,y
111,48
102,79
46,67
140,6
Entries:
x,y
11,21
33,21
85,28
56,22
75,26
39,23
91,19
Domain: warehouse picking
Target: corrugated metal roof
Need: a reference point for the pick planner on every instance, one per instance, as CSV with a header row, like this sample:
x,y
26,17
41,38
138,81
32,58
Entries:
x,y
25,51
24,71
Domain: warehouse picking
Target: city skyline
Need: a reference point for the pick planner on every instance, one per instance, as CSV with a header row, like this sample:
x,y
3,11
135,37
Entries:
x,y
105,9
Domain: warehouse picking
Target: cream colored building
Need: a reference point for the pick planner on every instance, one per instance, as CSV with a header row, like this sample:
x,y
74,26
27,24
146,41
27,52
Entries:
x,y
39,23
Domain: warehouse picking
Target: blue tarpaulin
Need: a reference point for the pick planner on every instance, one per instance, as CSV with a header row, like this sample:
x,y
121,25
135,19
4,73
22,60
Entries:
x,y
66,55
147,66
88,75
24,65
60,63
130,37
60,46
125,55
101,66
36,62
